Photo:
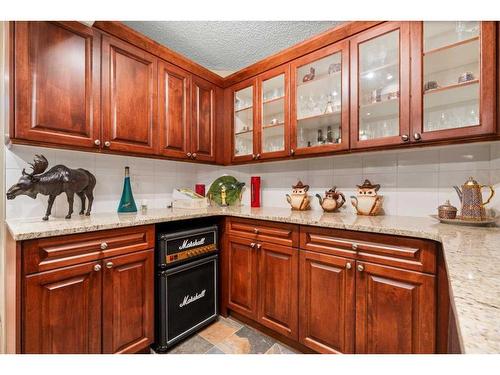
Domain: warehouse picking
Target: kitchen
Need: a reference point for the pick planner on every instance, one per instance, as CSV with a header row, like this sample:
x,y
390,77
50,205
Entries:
x,y
336,196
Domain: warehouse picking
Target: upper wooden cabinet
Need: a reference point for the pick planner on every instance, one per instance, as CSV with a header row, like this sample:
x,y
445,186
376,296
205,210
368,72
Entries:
x,y
57,83
380,86
173,111
320,101
128,97
244,143
203,99
453,80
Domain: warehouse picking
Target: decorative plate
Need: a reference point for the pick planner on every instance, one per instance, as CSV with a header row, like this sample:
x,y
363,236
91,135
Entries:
x,y
233,190
457,221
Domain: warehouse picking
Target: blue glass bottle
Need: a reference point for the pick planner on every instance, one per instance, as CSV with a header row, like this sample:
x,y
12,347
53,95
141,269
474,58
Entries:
x,y
127,203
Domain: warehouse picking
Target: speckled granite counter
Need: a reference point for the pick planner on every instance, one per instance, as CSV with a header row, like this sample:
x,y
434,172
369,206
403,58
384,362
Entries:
x,y
472,255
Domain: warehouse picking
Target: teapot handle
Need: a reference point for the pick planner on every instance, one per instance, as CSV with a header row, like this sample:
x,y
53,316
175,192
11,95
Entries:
x,y
343,200
492,193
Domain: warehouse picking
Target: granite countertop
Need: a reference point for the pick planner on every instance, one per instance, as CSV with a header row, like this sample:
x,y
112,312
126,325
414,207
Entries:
x,y
472,255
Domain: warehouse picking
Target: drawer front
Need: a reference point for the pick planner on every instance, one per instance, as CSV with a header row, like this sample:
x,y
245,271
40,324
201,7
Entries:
x,y
408,253
265,231
55,252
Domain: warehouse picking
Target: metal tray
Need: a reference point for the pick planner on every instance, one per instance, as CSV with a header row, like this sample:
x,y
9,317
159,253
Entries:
x,y
489,221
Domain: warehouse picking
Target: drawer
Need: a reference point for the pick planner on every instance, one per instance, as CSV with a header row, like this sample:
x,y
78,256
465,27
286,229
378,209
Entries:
x,y
404,252
266,231
55,252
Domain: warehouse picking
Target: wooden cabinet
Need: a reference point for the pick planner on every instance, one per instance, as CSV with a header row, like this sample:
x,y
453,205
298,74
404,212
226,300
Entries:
x,y
174,115
57,83
244,143
203,113
453,80
278,288
395,310
62,311
380,86
128,97
80,296
128,302
327,302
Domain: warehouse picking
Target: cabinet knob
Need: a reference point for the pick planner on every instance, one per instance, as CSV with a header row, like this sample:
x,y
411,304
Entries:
x,y
255,230
361,268
348,266
405,138
257,156
97,267
292,152
97,142
254,156
194,155
417,136
259,246
188,154
104,246
107,144
109,265
252,245
354,246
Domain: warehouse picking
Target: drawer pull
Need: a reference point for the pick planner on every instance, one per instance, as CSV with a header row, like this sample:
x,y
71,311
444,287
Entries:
x,y
348,266
259,246
354,246
252,245
256,231
361,268
104,246
109,265
97,267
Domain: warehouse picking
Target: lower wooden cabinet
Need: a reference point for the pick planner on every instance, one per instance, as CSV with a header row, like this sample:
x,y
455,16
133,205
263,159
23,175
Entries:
x,y
327,297
395,310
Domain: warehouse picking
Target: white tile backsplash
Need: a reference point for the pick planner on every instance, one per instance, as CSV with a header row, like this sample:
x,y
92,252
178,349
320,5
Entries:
x,y
414,182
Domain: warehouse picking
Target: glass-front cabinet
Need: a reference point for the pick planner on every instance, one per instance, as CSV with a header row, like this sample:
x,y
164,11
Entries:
x,y
273,113
453,78
320,101
244,142
380,91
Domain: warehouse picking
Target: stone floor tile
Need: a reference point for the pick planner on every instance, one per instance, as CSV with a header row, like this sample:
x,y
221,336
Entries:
x,y
218,331
215,350
280,349
246,341
193,345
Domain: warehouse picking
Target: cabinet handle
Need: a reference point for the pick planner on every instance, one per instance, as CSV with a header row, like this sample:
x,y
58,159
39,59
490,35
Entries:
x,y
292,152
109,265
254,156
255,230
194,155
257,156
252,245
405,138
361,268
107,144
188,154
104,246
354,246
259,246
417,136
348,266
97,267
97,142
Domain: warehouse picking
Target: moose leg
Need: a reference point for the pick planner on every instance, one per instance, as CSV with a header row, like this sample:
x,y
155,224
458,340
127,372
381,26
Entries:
x,y
90,197
70,196
49,207
82,197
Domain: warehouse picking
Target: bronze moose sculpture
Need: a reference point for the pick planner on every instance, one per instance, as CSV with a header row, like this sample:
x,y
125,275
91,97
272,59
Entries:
x,y
58,179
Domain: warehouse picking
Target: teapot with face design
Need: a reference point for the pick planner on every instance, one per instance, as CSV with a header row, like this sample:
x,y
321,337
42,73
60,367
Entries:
x,y
367,201
332,201
299,199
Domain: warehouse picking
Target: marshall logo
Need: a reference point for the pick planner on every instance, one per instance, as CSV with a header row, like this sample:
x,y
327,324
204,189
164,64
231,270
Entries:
x,y
188,244
188,299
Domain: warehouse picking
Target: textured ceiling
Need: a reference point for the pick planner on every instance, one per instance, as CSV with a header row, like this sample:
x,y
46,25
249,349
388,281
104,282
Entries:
x,y
229,45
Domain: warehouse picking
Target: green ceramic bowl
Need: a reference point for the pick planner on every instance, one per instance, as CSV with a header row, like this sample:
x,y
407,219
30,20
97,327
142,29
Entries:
x,y
233,190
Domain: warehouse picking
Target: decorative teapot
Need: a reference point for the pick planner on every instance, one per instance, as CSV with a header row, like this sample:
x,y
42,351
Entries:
x,y
331,202
471,198
299,199
367,202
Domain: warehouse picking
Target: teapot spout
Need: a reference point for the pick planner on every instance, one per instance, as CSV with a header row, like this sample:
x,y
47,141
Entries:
x,y
320,199
459,192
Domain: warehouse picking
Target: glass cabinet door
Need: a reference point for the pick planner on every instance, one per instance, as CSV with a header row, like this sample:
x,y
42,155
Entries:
x,y
450,68
243,122
273,114
380,87
320,110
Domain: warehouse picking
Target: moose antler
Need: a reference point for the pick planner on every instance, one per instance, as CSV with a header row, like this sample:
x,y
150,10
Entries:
x,y
39,165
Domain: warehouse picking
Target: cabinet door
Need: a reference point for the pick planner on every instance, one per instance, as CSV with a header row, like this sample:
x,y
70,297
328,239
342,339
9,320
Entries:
x,y
453,79
62,311
242,276
244,142
327,302
395,310
56,74
320,101
273,113
173,110
380,86
278,288
128,301
203,120
128,97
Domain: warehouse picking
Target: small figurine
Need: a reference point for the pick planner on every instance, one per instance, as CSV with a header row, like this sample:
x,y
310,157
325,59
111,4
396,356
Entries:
x,y
309,76
299,199
367,202
334,68
223,196
331,203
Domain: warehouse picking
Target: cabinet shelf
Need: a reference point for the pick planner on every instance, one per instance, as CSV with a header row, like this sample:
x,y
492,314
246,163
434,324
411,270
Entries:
x,y
450,87
243,109
453,45
322,78
244,132
268,101
267,126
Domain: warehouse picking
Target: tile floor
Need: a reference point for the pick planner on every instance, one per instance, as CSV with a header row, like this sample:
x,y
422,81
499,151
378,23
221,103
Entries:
x,y
228,336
